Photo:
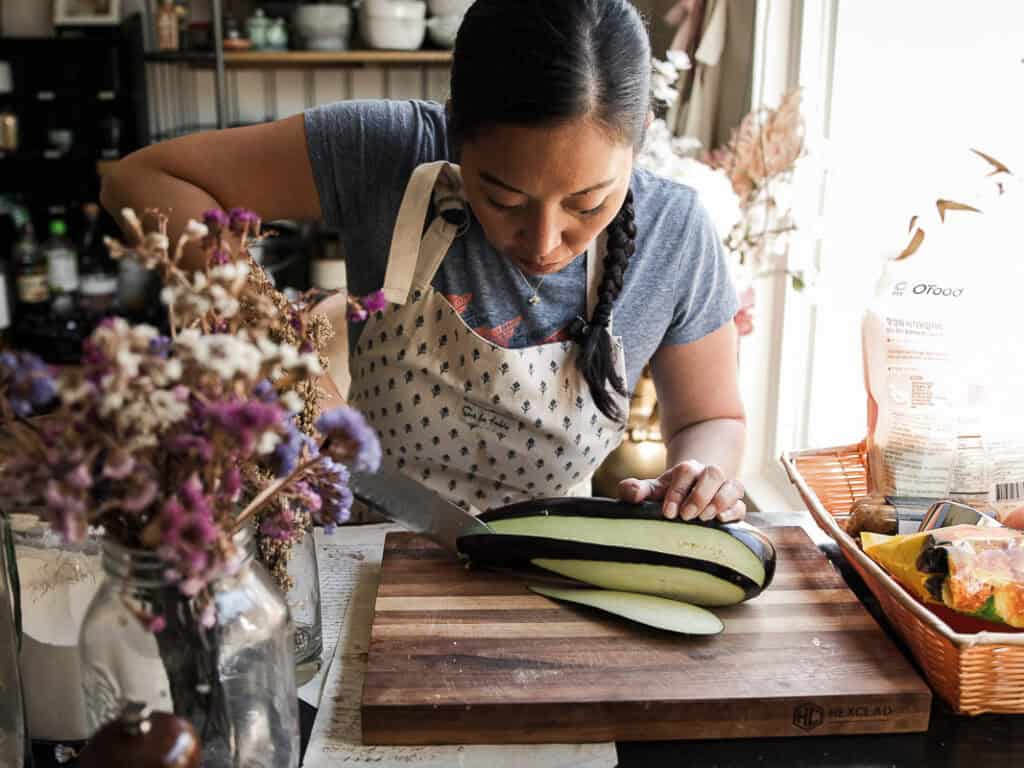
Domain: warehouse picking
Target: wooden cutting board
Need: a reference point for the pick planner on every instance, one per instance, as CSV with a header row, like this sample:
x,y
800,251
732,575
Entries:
x,y
463,656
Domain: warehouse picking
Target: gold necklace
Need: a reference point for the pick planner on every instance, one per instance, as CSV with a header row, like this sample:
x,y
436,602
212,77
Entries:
x,y
534,299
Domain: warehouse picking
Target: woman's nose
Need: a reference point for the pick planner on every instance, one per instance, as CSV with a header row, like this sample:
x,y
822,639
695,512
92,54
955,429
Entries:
x,y
542,235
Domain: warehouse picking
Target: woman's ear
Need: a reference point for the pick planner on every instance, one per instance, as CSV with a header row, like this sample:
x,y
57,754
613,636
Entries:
x,y
649,120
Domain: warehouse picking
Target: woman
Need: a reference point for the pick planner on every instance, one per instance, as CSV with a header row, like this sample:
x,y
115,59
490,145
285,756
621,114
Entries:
x,y
529,285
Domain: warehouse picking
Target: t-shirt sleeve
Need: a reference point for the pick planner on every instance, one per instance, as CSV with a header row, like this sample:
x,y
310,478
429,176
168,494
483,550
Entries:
x,y
707,296
363,153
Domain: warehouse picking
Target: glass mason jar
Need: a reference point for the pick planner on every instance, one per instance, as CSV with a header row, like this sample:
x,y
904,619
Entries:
x,y
58,580
14,743
234,681
304,604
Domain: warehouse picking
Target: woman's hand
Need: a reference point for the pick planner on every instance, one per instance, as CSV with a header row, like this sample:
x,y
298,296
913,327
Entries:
x,y
690,490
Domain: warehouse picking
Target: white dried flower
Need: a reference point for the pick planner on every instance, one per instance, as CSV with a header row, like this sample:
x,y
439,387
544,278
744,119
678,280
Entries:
x,y
128,362
173,369
292,401
268,442
155,241
311,363
196,230
679,59
224,304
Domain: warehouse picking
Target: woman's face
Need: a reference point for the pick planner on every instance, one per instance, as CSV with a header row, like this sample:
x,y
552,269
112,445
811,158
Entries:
x,y
543,194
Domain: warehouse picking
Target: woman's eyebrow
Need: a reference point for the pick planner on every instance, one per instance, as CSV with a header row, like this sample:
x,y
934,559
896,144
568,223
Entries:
x,y
499,183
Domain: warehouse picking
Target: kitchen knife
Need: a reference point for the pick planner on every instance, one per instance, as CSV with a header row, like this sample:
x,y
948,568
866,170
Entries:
x,y
415,506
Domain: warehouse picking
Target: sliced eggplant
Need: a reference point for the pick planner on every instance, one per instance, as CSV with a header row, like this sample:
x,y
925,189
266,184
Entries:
x,y
685,584
658,612
714,583
641,527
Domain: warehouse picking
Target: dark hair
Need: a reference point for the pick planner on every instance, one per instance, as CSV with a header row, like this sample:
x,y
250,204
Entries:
x,y
539,62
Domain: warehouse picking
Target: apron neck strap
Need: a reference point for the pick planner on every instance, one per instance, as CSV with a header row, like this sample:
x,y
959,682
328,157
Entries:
x,y
414,254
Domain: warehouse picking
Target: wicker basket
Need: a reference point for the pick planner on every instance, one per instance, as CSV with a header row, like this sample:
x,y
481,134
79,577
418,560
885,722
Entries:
x,y
975,673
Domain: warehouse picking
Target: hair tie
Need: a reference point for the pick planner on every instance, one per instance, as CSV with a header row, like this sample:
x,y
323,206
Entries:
x,y
579,329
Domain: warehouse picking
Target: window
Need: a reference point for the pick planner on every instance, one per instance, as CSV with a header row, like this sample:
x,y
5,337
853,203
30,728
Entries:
x,y
900,93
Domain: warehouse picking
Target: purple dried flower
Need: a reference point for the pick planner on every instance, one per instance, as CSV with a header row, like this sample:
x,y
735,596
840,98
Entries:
x,y
245,421
140,492
65,512
349,438
160,346
287,452
118,465
279,524
30,382
80,478
265,392
187,443
374,302
221,256
357,315
241,217
329,481
231,483
215,220
156,624
188,534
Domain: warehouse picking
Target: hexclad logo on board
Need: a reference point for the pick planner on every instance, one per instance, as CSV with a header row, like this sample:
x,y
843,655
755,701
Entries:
x,y
807,717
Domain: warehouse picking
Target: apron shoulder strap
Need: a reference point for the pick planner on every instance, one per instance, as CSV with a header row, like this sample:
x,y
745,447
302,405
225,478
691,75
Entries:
x,y
404,256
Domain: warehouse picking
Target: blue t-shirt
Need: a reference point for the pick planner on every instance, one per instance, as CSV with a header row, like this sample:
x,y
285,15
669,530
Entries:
x,y
676,290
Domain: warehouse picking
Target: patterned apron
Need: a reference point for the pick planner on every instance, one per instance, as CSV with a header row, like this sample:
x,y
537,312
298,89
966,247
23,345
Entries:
x,y
479,424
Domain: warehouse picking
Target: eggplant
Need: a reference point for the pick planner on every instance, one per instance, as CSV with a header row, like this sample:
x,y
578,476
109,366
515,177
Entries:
x,y
657,612
627,569
596,522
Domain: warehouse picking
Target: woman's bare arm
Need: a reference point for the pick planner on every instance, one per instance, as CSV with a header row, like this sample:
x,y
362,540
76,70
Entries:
x,y
263,167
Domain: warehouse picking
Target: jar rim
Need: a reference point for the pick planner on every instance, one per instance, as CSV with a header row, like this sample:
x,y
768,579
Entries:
x,y
147,567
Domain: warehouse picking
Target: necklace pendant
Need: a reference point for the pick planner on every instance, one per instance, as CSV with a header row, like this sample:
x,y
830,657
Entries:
x,y
534,300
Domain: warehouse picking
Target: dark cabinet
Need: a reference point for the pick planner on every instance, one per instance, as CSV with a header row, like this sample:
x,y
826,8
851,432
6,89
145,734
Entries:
x,y
78,101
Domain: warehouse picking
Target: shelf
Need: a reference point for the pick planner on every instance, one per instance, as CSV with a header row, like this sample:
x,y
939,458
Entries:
x,y
279,59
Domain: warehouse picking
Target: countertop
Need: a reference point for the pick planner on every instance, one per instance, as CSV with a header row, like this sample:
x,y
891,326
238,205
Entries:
x,y
987,741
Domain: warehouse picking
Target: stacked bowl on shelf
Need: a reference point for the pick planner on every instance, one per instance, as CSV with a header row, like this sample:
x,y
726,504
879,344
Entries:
x,y
398,25
446,18
403,25
323,26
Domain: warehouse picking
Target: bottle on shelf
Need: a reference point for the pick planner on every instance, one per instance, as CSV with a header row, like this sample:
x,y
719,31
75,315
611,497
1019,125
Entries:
x,y
33,277
61,263
98,276
167,26
8,116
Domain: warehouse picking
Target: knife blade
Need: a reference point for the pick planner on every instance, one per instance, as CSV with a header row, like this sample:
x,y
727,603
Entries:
x,y
415,506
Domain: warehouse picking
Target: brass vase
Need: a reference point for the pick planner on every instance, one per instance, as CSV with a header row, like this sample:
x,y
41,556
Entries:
x,y
642,453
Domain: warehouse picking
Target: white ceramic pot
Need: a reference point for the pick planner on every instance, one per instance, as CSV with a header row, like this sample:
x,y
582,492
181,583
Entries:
x,y
324,27
449,7
443,30
394,9
393,24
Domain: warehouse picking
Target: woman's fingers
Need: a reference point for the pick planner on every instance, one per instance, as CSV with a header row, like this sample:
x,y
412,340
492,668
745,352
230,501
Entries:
x,y
736,512
700,501
728,493
635,491
678,482
690,490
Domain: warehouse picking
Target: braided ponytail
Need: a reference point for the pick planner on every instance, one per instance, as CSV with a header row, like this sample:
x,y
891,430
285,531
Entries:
x,y
594,338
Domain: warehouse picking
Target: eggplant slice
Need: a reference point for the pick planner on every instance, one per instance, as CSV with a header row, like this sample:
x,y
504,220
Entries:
x,y
691,579
607,522
658,612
